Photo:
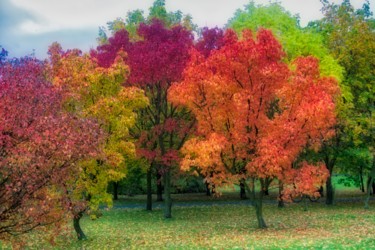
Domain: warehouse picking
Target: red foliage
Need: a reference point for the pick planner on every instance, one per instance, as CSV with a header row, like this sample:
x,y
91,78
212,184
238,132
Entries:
x,y
106,54
39,145
211,39
161,56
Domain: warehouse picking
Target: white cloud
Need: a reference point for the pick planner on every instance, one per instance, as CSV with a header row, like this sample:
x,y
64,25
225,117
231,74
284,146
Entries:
x,y
30,24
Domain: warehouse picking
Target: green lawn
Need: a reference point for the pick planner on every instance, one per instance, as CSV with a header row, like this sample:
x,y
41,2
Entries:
x,y
346,225
232,227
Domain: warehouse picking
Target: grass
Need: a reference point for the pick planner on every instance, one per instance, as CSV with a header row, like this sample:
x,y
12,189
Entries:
x,y
343,226
346,225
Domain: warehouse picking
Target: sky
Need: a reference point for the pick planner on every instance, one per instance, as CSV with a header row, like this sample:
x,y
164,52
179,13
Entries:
x,y
30,26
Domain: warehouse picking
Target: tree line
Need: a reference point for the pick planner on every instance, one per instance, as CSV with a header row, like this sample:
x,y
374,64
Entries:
x,y
263,102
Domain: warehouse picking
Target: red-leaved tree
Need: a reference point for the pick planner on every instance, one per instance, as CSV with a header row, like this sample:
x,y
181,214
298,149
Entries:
x,y
255,115
155,61
39,147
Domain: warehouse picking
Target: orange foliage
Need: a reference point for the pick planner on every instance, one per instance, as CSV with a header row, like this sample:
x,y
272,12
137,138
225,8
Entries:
x,y
255,114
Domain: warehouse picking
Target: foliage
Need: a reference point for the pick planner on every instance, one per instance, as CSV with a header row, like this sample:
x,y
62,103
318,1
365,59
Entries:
x,y
295,40
156,11
156,61
254,114
40,147
351,40
96,92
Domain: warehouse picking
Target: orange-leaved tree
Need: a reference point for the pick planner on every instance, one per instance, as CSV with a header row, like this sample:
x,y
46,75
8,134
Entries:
x,y
255,115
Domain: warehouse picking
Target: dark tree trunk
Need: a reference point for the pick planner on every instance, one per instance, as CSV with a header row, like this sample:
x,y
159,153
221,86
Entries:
x,y
373,187
208,189
242,190
259,210
281,201
266,190
159,187
77,227
167,195
329,186
321,191
361,183
370,182
257,201
369,185
329,190
115,190
149,190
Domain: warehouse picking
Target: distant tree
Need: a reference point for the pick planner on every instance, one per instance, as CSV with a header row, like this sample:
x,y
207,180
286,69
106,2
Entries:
x,y
254,112
349,35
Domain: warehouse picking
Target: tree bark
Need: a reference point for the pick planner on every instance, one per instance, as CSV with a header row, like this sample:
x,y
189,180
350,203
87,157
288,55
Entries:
x,y
329,186
159,187
329,190
242,190
149,190
361,183
208,189
257,201
258,204
369,184
77,227
167,195
281,201
115,190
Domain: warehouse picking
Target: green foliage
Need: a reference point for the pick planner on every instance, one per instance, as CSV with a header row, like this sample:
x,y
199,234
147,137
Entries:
x,y
135,173
296,40
350,37
156,11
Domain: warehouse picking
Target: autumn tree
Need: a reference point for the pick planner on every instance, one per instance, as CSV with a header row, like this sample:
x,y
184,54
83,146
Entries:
x,y
40,147
349,35
95,92
155,61
298,41
255,112
124,30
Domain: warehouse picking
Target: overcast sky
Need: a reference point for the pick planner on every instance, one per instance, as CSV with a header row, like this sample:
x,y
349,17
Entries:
x,y
27,25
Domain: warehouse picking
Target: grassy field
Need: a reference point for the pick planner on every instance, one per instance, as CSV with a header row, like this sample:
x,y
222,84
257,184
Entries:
x,y
346,225
232,227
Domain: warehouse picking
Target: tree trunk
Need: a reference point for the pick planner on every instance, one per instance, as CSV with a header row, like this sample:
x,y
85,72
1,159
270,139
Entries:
x,y
208,189
329,190
115,191
258,204
242,190
257,201
77,227
361,183
329,186
369,184
321,191
159,187
367,199
281,201
149,190
167,195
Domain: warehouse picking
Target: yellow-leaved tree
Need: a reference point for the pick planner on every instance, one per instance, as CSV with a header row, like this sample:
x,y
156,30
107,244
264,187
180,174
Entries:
x,y
97,93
